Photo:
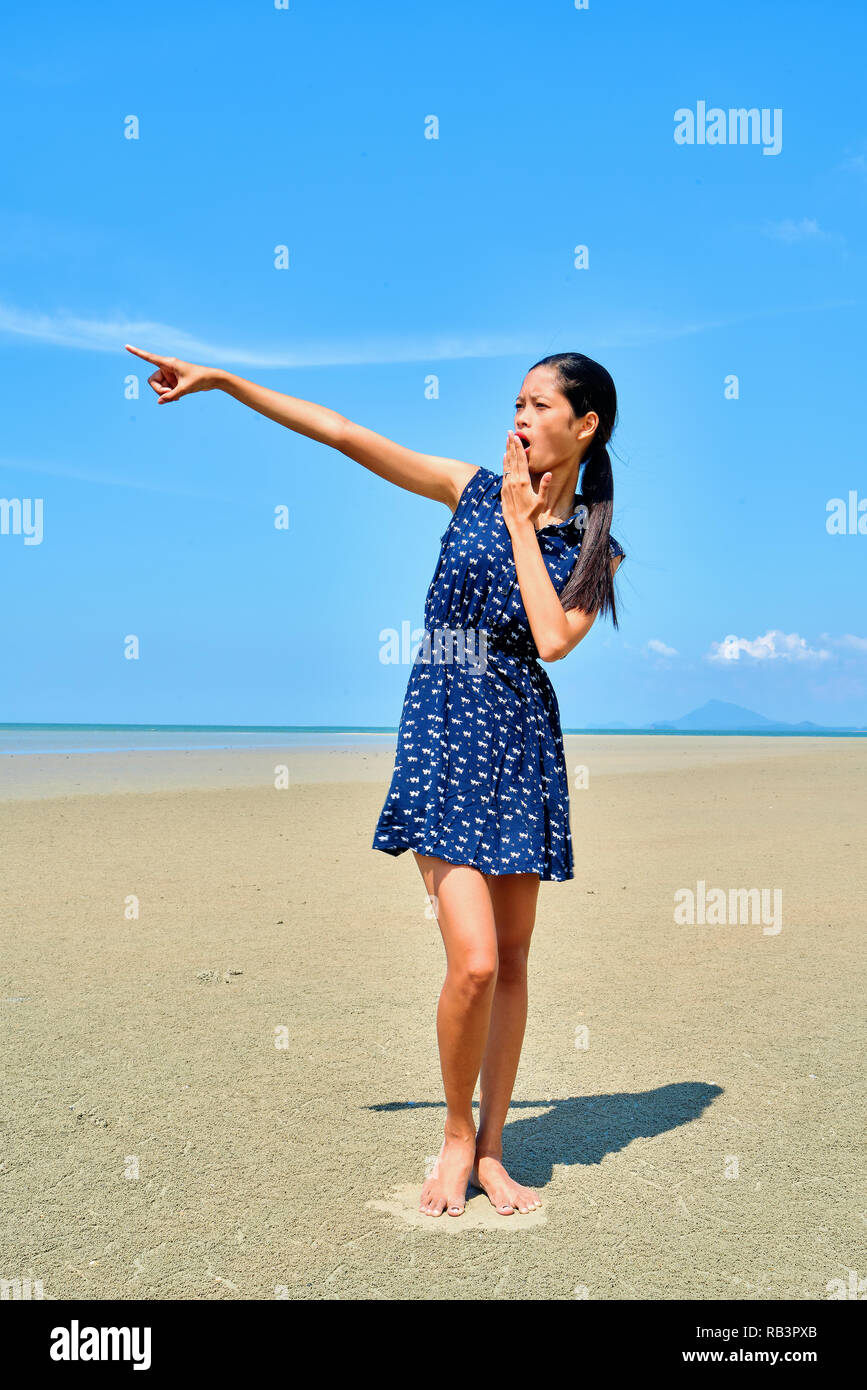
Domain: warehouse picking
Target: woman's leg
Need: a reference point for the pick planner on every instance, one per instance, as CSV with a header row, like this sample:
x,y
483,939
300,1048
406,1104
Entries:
x,y
466,921
514,901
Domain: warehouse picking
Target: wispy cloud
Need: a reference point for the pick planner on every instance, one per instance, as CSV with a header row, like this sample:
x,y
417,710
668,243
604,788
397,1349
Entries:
x,y
847,640
855,163
64,329
659,648
788,230
86,475
773,646
44,72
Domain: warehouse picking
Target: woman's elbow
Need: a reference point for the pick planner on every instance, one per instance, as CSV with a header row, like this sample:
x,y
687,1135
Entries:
x,y
556,647
552,651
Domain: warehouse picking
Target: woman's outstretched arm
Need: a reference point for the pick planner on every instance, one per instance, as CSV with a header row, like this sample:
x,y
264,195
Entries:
x,y
442,479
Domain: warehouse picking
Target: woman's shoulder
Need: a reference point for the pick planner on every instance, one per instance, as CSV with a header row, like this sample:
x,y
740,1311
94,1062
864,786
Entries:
x,y
483,480
472,496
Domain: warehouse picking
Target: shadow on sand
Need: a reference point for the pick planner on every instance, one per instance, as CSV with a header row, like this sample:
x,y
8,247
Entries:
x,y
583,1129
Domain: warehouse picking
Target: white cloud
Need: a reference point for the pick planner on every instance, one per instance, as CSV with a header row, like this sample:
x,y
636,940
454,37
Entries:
x,y
847,639
856,163
162,339
64,329
659,648
807,229
89,475
773,646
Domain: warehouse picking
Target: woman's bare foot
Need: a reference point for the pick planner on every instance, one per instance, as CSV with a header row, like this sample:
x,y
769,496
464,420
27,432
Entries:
x,y
447,1185
503,1192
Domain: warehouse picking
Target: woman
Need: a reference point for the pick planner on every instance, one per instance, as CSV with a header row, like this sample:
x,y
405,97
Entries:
x,y
480,791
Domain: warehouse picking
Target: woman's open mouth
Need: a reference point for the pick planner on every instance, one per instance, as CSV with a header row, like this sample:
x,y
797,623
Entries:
x,y
524,440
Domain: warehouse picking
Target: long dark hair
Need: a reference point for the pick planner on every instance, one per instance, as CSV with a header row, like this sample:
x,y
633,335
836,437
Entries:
x,y
588,386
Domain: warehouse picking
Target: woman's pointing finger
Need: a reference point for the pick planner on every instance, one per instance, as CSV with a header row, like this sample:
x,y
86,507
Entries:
x,y
148,356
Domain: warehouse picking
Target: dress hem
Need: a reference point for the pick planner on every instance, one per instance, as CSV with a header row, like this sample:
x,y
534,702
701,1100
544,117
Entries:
x,y
545,875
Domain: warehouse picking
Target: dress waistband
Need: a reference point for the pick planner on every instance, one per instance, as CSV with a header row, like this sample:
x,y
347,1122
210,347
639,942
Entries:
x,y
470,647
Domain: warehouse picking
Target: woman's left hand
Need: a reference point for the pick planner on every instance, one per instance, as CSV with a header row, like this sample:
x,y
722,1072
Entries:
x,y
520,503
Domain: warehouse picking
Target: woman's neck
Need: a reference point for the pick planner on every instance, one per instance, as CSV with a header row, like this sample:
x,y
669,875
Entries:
x,y
561,500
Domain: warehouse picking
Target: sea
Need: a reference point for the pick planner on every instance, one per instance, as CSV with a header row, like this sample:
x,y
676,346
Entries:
x,y
23,739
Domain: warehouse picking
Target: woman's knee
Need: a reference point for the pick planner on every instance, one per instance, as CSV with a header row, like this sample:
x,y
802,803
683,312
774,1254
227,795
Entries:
x,y
513,964
474,973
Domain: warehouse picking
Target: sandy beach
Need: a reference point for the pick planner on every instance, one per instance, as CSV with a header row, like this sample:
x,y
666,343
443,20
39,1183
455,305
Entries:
x,y
222,1079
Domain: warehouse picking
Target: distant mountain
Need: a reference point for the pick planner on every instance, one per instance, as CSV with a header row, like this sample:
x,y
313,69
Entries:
x,y
724,716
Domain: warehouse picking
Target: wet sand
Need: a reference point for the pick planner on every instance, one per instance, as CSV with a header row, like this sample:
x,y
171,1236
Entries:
x,y
222,1077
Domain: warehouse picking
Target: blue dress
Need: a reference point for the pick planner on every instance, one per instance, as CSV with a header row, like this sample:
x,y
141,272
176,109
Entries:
x,y
480,774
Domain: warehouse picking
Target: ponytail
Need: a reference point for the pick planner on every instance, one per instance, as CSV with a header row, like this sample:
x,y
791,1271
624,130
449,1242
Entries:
x,y
590,586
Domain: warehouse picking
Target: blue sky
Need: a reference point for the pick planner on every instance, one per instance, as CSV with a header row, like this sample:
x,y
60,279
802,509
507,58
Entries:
x,y
411,257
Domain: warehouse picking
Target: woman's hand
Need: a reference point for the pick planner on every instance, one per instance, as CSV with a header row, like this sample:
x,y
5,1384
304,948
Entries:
x,y
174,378
520,503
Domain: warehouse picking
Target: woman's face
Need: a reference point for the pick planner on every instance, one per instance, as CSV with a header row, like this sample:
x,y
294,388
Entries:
x,y
544,417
